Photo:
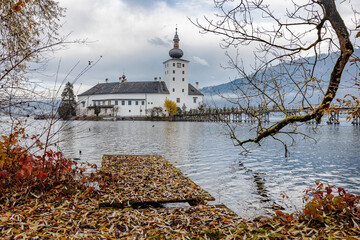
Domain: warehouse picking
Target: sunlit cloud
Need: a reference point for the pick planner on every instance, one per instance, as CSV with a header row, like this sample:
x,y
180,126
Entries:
x,y
200,61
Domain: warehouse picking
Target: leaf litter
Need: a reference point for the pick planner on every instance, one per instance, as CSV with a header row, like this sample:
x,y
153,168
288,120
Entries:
x,y
75,212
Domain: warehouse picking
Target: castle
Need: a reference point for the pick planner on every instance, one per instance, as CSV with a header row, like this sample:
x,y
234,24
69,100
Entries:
x,y
137,99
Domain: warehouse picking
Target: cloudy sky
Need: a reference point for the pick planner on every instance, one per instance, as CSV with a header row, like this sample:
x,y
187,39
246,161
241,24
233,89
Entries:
x,y
135,36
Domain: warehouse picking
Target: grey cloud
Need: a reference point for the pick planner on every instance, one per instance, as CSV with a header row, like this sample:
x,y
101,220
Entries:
x,y
158,42
147,3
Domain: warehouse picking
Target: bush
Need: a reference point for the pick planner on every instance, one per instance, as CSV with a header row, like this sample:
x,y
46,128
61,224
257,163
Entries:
x,y
326,204
24,172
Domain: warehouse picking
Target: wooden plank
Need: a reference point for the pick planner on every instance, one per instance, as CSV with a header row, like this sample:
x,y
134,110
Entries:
x,y
146,179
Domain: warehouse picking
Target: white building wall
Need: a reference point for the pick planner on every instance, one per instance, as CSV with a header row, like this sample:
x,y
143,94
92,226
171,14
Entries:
x,y
156,100
177,79
121,105
190,103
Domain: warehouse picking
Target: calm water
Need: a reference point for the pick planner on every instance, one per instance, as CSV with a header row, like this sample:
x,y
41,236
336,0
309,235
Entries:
x,y
247,183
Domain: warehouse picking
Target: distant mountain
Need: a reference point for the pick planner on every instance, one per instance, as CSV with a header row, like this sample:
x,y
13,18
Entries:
x,y
323,70
30,107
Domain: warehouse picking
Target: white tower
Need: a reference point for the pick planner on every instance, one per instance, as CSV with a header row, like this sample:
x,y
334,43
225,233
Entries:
x,y
176,75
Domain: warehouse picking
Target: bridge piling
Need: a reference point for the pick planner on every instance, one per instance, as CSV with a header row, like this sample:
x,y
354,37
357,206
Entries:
x,y
356,119
333,117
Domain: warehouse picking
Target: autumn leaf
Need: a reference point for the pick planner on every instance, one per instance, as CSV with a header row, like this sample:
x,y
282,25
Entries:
x,y
4,174
43,176
5,217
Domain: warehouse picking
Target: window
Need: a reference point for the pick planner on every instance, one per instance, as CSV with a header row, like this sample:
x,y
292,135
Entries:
x,y
195,98
109,102
173,89
183,90
116,102
129,102
173,64
140,110
178,100
142,102
183,79
179,65
183,72
173,71
83,104
173,79
105,111
103,103
129,110
123,102
183,65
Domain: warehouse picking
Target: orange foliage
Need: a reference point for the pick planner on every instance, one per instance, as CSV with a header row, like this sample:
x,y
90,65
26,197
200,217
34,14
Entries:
x,y
170,107
325,204
20,169
20,4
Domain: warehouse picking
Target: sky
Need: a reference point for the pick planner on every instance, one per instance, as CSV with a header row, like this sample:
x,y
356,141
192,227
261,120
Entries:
x,y
134,37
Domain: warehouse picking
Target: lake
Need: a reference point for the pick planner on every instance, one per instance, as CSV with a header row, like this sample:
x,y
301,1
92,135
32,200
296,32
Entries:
x,y
248,183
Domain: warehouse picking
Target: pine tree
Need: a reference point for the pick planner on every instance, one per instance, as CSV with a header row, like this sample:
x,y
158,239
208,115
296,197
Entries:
x,y
97,110
68,102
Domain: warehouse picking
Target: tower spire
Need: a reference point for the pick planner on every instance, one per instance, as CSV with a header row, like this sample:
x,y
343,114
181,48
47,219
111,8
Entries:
x,y
176,52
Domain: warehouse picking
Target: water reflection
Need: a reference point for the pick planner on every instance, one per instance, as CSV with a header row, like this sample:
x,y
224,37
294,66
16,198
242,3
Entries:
x,y
250,184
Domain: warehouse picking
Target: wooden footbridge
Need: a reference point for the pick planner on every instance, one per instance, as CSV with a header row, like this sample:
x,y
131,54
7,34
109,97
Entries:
x,y
141,185
252,115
